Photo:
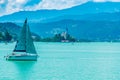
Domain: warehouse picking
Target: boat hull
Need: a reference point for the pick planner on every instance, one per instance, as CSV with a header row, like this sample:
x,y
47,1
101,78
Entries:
x,y
21,58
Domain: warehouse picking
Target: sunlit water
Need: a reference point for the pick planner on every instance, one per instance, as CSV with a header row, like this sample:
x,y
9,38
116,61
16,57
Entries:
x,y
64,61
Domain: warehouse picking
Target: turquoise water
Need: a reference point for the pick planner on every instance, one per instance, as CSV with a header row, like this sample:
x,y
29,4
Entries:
x,y
64,61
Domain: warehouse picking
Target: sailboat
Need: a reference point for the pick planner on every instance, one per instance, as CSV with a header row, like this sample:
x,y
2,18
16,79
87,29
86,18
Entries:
x,y
24,49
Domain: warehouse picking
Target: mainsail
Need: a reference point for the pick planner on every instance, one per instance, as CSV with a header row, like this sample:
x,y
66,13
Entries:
x,y
25,42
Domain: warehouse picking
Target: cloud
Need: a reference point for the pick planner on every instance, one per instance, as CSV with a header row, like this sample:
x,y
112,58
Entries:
x,y
55,4
15,5
99,0
2,1
32,2
20,1
114,0
11,6
58,4
106,0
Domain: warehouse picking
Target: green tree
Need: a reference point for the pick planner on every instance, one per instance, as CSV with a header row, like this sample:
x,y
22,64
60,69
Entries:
x,y
1,36
57,38
7,36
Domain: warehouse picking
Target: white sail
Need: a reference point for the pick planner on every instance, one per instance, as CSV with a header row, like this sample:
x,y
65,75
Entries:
x,y
25,42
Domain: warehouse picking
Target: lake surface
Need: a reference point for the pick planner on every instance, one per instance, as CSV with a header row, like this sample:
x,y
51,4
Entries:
x,y
64,61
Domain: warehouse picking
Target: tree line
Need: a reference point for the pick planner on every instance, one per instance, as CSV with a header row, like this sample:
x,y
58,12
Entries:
x,y
5,36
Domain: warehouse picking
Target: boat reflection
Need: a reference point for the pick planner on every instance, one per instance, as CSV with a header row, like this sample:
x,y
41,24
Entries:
x,y
24,69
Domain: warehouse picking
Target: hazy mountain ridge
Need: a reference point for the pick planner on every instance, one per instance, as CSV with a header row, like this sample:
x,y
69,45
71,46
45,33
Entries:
x,y
86,30
44,15
89,30
13,29
88,17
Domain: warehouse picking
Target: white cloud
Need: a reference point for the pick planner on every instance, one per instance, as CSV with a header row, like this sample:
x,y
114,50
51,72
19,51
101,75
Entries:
x,y
55,4
2,1
115,0
14,6
99,0
106,0
21,1
58,4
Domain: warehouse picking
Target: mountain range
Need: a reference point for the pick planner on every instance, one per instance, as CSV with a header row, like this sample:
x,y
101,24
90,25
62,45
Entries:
x,y
88,30
86,9
91,21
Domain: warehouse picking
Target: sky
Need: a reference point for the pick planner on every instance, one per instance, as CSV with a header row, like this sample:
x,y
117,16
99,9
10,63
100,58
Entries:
x,y
11,6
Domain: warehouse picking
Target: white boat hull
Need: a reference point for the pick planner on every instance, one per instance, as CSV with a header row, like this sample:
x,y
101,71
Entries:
x,y
22,58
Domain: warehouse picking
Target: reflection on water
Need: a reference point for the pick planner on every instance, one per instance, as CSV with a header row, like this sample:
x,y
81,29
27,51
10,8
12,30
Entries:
x,y
24,69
